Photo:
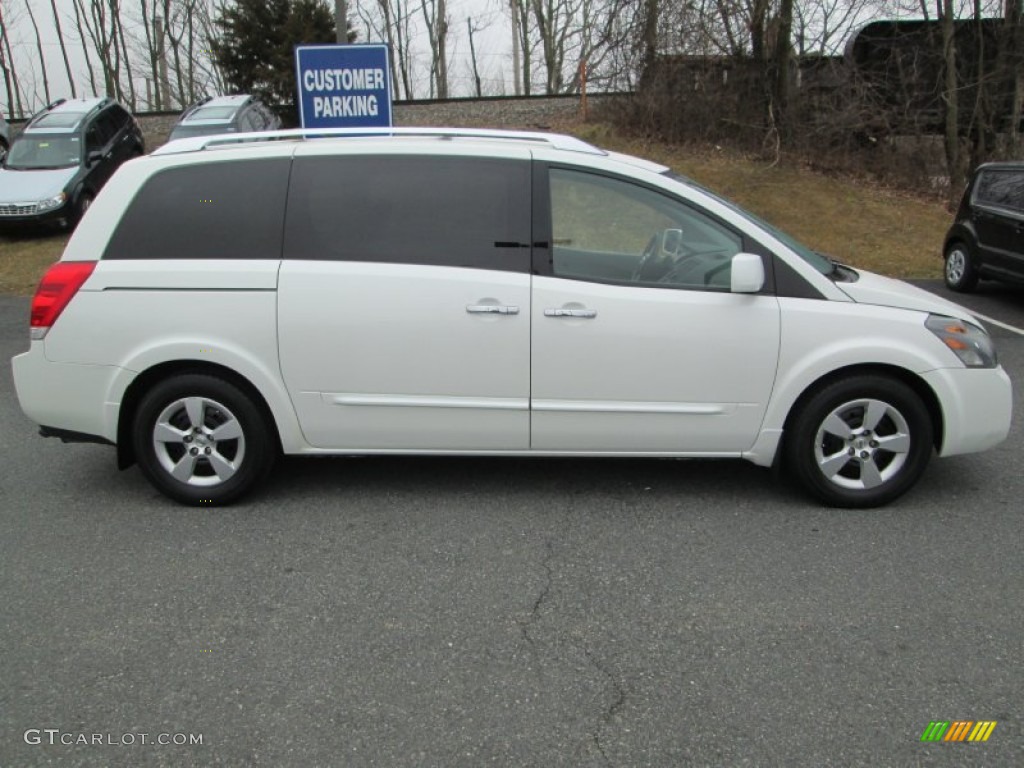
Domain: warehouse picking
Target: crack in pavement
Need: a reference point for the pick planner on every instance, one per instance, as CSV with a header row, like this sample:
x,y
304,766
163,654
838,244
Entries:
x,y
524,626
618,692
618,701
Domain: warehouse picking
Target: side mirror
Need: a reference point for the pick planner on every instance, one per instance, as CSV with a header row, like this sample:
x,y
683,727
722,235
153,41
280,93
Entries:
x,y
747,273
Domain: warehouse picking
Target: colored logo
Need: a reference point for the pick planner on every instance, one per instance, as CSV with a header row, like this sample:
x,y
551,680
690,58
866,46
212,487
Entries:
x,y
958,730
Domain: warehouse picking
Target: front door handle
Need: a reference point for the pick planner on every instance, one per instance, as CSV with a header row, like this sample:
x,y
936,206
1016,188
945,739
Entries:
x,y
491,309
587,313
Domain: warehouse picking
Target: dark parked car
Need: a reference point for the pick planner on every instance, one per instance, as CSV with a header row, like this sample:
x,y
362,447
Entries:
x,y
225,114
987,239
58,164
5,137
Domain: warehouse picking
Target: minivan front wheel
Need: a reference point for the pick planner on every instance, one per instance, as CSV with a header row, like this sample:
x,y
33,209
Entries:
x,y
961,274
861,441
201,440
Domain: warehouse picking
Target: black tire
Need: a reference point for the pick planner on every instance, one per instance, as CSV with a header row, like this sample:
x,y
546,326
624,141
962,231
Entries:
x,y
960,271
885,425
82,204
190,409
3,149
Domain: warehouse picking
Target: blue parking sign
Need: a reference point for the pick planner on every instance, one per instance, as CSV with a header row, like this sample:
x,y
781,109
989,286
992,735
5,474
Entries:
x,y
343,86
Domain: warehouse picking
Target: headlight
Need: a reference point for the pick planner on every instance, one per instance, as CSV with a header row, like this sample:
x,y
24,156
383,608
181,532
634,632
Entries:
x,y
970,343
53,202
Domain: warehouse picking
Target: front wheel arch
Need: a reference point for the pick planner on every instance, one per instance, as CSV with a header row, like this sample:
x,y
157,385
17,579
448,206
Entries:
x,y
902,393
148,378
913,381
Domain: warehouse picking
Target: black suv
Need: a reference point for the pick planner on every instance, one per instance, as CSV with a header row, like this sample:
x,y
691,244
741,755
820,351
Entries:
x,y
987,238
61,160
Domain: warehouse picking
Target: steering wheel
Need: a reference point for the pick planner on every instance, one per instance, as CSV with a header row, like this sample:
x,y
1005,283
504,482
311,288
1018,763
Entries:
x,y
661,256
640,272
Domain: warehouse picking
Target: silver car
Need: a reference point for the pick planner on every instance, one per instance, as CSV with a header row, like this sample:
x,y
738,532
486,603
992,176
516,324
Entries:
x,y
225,114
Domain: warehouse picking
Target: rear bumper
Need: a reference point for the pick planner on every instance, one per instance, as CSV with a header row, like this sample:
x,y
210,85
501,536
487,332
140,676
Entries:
x,y
977,406
66,397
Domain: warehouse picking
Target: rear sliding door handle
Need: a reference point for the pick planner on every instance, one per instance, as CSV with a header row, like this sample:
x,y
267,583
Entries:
x,y
588,313
491,309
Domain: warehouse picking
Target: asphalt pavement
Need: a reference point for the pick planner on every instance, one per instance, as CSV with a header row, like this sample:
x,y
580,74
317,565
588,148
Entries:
x,y
468,612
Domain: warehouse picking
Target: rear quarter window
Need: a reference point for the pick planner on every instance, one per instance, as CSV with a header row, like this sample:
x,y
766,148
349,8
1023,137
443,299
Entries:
x,y
1002,189
226,210
440,211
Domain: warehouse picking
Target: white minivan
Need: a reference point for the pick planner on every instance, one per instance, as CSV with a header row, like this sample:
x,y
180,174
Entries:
x,y
471,292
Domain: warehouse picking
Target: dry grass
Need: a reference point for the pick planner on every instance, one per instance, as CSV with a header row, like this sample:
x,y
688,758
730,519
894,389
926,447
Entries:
x,y
856,222
24,259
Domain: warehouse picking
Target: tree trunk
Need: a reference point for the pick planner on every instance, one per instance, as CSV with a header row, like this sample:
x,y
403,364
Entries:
x,y
10,75
649,36
63,48
517,72
472,54
954,165
782,57
441,23
341,20
39,48
82,25
1013,52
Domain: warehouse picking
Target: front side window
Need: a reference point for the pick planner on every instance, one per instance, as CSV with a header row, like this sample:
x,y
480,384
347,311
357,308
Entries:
x,y
226,210
1002,189
440,211
610,230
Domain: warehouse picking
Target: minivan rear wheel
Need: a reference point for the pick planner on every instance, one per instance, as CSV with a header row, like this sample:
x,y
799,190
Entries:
x,y
201,440
861,441
960,272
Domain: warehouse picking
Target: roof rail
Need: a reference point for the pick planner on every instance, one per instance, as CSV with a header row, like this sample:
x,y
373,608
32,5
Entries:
x,y
553,140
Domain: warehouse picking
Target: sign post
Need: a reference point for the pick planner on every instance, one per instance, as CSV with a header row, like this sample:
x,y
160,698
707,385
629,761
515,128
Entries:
x,y
343,86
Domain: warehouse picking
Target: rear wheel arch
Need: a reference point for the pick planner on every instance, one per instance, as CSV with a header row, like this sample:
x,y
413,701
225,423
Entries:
x,y
151,376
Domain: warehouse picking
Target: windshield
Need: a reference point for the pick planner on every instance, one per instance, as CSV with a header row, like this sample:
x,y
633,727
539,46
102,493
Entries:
x,y
821,263
44,152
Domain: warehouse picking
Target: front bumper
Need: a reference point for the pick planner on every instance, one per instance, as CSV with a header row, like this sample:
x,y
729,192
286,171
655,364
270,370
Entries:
x,y
977,407
16,218
66,397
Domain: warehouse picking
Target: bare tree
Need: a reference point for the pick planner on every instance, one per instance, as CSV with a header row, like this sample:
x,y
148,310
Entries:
x,y
39,48
341,20
435,18
63,48
391,21
1011,69
951,100
80,28
10,72
472,52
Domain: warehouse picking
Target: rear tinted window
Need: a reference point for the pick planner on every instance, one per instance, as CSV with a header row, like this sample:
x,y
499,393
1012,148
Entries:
x,y
59,120
213,113
446,211
1004,189
228,210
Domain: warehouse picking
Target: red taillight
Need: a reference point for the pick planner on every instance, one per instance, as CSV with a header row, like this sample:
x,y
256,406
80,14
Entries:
x,y
58,286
